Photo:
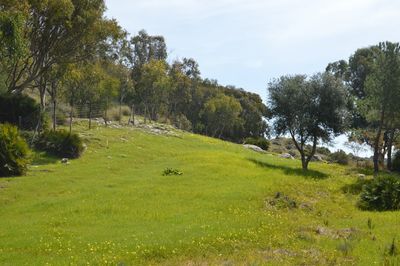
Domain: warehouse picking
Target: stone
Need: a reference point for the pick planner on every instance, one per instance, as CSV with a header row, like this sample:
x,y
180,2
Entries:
x,y
361,176
286,156
253,147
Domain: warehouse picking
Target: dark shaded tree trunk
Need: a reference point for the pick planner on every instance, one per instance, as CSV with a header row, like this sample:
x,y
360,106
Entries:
x,y
70,117
132,118
376,144
54,114
90,115
389,151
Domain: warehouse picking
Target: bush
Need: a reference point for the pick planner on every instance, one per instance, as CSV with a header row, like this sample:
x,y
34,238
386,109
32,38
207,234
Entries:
x,y
323,150
60,143
396,162
339,157
14,107
381,194
260,142
182,122
14,152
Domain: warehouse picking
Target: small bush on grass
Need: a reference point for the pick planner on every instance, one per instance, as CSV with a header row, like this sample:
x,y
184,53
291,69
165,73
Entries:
x,y
260,142
339,157
381,194
170,171
14,152
60,143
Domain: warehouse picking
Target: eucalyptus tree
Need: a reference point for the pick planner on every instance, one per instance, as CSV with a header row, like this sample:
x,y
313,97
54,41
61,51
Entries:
x,y
221,115
56,32
309,110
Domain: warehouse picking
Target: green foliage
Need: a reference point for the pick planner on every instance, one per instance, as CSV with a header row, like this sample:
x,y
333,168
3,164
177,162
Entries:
x,y
12,107
396,162
263,143
14,152
222,114
382,194
310,110
339,157
60,143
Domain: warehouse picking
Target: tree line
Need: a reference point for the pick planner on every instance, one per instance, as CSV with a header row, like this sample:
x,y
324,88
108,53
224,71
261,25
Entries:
x,y
69,51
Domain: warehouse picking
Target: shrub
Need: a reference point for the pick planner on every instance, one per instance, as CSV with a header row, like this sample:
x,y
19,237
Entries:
x,y
14,107
396,162
339,157
14,152
323,151
170,171
113,112
381,194
182,122
60,143
260,142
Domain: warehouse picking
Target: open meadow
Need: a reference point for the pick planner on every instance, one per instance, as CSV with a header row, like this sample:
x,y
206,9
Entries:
x,y
114,206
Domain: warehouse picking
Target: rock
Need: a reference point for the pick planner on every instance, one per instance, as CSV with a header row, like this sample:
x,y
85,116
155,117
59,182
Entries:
x,y
65,161
323,231
286,156
305,206
253,147
317,158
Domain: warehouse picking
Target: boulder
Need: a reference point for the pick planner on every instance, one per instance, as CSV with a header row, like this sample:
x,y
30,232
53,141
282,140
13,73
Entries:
x,y
253,147
286,156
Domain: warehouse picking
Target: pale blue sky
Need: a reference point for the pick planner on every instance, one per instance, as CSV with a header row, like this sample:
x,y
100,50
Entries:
x,y
247,42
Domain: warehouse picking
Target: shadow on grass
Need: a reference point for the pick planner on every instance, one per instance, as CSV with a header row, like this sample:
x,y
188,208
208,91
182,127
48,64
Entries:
x,y
43,158
291,171
356,188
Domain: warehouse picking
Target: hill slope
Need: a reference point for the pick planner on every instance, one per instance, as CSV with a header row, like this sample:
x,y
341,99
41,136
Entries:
x,y
114,206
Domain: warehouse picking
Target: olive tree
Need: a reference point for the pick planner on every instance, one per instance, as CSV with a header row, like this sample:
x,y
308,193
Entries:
x,y
308,109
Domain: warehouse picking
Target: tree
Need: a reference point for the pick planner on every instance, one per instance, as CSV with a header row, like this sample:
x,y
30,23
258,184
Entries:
x,y
146,48
56,32
153,87
381,102
221,114
72,81
310,110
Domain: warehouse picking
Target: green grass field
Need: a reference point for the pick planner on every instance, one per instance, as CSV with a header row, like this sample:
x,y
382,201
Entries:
x,y
113,206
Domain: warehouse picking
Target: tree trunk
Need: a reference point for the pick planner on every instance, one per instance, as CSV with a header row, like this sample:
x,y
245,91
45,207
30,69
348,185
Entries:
x,y
54,114
304,162
132,119
376,144
389,151
70,117
90,115
145,114
120,111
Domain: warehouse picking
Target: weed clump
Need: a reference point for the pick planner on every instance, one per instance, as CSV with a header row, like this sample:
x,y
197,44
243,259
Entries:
x,y
281,201
170,171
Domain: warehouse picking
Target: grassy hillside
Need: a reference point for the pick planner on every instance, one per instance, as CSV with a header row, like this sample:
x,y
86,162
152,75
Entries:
x,y
113,206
